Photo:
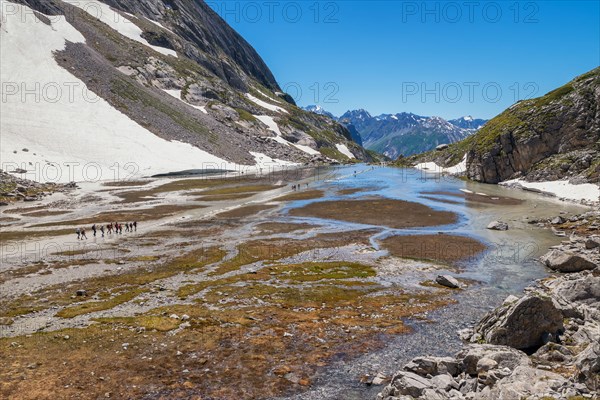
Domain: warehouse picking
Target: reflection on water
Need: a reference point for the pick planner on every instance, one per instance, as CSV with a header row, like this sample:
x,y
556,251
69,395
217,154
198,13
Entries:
x,y
509,266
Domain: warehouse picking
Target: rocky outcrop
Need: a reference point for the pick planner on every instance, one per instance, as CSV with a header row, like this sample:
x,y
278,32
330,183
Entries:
x,y
13,188
557,321
549,138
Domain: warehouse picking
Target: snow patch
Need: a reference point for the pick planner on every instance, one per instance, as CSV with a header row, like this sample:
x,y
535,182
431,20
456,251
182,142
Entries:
x,y
177,95
265,162
342,148
266,105
562,189
457,169
272,125
117,22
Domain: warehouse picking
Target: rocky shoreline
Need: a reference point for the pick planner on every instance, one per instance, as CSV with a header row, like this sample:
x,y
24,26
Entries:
x,y
13,188
543,345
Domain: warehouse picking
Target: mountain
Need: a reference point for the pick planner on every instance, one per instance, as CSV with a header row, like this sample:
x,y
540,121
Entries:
x,y
405,133
553,137
319,110
157,85
468,122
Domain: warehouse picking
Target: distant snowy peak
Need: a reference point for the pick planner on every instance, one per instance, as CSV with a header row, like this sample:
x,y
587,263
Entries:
x,y
317,109
468,122
356,115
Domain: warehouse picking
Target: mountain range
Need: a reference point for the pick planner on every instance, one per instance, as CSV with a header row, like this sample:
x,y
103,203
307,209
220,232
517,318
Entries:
x,y
181,89
403,134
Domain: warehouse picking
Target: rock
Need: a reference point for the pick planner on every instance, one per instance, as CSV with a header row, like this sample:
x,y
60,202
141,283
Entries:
x,y
448,281
485,364
442,147
408,383
557,220
588,363
498,226
422,366
379,379
592,243
524,383
81,293
521,325
567,261
444,382
505,357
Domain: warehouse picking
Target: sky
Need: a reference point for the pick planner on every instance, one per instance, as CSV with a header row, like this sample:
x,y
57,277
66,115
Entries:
x,y
444,58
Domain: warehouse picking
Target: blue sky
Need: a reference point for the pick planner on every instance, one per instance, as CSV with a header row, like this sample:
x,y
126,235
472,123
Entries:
x,y
432,58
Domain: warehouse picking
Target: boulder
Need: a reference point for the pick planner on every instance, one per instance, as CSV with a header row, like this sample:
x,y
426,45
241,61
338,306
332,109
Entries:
x,y
588,363
566,261
592,243
523,324
448,281
409,383
524,383
557,220
505,357
498,226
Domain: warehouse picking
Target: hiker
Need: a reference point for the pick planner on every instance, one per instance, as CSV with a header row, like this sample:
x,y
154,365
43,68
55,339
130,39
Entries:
x,y
78,232
94,229
83,235
126,227
109,227
121,229
131,227
135,225
102,230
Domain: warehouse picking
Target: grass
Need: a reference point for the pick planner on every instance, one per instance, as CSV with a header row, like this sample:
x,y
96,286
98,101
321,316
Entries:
x,y
240,190
302,195
399,213
438,248
270,250
95,306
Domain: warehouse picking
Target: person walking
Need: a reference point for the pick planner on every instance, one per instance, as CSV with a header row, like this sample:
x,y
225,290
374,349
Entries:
x,y
102,230
94,229
126,227
83,235
131,227
135,225
78,232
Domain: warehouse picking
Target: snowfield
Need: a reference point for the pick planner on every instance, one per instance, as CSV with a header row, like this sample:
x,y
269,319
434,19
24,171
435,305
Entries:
x,y
342,148
562,189
69,134
118,22
266,105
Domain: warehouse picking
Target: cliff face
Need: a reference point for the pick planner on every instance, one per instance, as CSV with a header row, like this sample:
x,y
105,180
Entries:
x,y
553,137
556,136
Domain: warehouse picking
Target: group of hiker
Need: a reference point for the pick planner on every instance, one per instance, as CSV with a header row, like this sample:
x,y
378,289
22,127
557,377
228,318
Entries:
x,y
109,229
298,187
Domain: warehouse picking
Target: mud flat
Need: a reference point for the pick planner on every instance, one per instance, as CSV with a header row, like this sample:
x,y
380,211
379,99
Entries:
x,y
378,211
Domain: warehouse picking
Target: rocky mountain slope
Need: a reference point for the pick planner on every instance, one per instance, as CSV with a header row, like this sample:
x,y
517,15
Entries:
x,y
404,134
550,138
162,85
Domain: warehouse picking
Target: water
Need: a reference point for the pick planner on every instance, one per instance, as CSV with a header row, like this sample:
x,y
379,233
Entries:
x,y
507,268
